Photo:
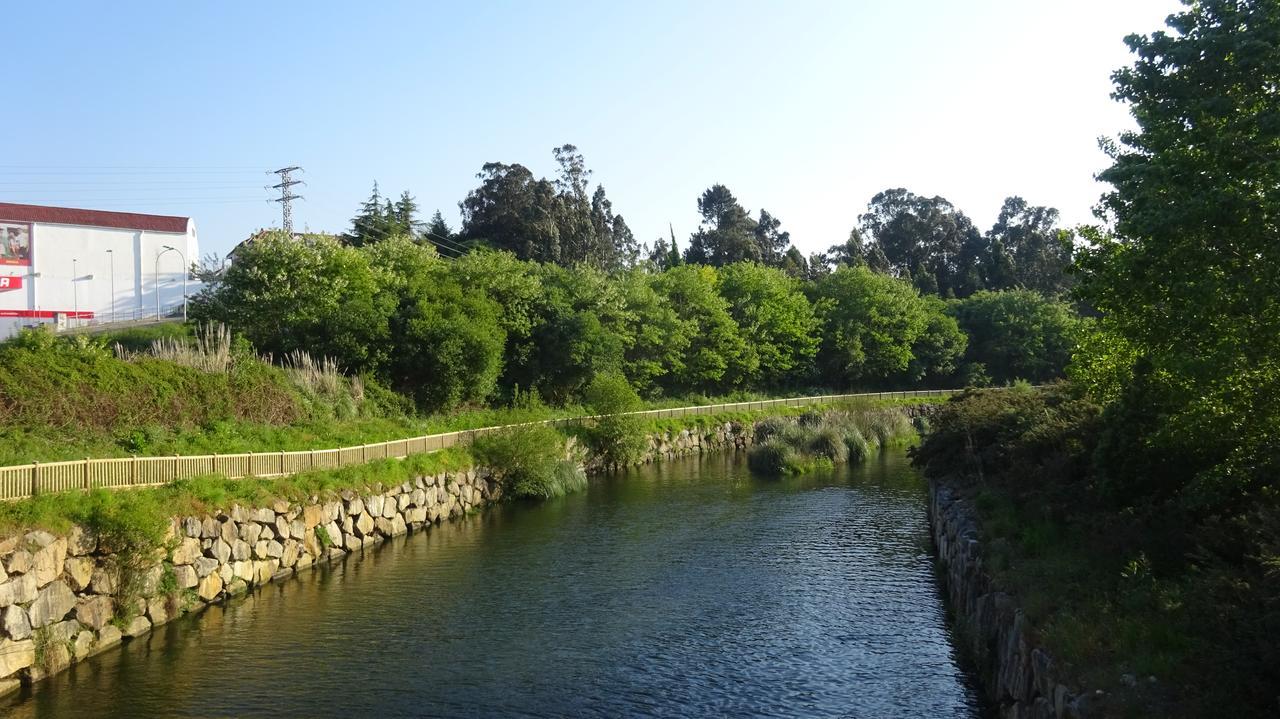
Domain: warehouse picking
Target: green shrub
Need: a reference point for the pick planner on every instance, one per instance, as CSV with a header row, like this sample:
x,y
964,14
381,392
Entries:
x,y
769,427
810,418
856,445
774,457
615,439
829,442
526,459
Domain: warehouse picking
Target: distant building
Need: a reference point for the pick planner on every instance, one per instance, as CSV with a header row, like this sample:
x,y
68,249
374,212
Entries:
x,y
71,267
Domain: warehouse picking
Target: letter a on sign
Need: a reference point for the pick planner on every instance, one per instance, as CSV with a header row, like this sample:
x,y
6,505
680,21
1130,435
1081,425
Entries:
x,y
10,282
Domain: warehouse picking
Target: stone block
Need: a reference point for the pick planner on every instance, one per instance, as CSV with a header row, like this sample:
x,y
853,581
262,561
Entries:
x,y
210,587
186,575
18,590
52,604
94,612
79,572
220,550
81,541
136,627
16,623
46,563
186,551
103,581
250,531
205,566
16,655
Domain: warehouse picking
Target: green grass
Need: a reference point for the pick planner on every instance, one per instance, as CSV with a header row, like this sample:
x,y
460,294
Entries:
x,y
140,508
822,437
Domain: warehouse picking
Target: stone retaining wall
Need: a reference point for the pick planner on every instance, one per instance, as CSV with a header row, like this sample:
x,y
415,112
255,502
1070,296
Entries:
x,y
1018,676
58,595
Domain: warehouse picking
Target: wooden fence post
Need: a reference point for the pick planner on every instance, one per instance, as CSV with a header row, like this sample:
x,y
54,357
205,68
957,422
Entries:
x,y
85,475
35,478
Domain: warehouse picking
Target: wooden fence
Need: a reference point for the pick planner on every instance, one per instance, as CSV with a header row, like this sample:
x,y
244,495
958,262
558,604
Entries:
x,y
25,480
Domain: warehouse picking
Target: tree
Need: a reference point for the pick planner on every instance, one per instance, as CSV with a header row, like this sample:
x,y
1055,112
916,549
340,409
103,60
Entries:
x,y
926,240
936,353
774,318
516,286
655,340
717,357
1028,250
513,211
771,239
379,218
1190,280
317,296
437,229
545,220
1017,334
727,234
870,322
448,340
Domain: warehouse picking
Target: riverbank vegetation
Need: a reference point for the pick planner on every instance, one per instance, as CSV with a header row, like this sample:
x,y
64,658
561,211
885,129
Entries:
x,y
818,439
1136,511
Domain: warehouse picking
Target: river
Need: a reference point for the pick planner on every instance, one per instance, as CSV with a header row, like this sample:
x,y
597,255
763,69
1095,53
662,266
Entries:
x,y
687,588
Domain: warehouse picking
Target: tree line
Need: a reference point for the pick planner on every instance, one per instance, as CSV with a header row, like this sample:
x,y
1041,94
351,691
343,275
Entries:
x,y
926,240
487,325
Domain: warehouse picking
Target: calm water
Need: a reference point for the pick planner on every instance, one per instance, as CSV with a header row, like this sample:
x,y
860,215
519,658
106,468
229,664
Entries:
x,y
685,589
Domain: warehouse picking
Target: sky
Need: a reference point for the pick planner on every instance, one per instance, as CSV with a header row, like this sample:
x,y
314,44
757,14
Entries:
x,y
804,108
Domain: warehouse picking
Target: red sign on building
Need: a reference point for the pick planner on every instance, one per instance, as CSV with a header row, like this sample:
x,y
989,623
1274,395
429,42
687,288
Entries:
x,y
10,282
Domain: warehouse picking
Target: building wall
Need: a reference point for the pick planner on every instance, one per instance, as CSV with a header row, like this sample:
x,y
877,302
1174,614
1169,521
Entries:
x,y
54,288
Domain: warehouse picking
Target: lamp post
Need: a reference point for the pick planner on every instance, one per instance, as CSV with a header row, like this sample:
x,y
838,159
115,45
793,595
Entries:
x,y
111,254
75,292
168,248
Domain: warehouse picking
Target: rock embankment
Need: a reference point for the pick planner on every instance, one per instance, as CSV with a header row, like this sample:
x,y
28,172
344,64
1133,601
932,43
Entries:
x,y
63,599
1019,677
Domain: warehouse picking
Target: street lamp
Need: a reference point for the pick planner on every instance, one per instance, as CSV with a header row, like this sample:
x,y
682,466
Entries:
x,y
168,248
112,255
75,292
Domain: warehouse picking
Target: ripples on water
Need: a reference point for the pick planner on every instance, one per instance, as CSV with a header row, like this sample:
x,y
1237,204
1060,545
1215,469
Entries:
x,y
685,589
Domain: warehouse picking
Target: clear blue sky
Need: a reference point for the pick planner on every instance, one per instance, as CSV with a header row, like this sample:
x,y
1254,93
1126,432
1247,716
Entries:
x,y
804,108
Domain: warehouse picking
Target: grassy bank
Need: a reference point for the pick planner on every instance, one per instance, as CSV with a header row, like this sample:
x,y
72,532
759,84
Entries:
x,y
1124,596
167,390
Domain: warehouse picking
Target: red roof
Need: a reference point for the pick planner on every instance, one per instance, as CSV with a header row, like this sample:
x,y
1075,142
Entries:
x,y
92,218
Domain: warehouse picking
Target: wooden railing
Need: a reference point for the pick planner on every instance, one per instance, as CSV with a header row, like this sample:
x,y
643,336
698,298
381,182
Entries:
x,y
26,480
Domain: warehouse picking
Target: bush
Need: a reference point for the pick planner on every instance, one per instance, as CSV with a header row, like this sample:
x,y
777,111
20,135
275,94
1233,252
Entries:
x,y
526,459
616,439
829,442
768,428
856,445
774,457
810,418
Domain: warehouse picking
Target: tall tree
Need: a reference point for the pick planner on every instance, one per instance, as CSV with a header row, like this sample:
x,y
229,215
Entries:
x,y
1028,250
438,229
926,240
727,234
547,220
513,210
371,223
1191,280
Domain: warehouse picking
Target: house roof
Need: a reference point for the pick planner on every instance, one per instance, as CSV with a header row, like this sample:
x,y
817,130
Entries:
x,y
92,218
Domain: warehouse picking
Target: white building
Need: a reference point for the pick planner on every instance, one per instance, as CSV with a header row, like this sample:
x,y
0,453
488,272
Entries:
x,y
74,267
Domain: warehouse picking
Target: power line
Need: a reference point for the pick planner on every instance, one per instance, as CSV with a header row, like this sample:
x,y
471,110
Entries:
x,y
459,247
286,194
